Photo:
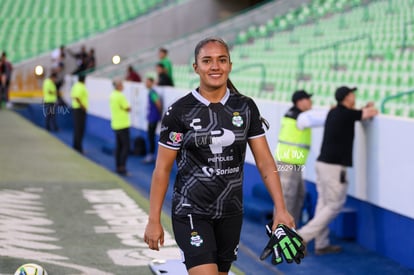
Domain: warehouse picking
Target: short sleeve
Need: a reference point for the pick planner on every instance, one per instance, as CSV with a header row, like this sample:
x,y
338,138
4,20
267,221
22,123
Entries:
x,y
154,96
256,124
75,92
124,102
172,129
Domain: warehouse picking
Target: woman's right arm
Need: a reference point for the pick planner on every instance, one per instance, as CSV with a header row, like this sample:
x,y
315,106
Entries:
x,y
154,233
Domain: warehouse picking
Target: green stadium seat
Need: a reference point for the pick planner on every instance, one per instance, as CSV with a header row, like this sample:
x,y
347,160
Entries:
x,y
25,21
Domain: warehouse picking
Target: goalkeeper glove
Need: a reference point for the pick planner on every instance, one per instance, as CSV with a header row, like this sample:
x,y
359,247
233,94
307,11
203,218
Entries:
x,y
284,241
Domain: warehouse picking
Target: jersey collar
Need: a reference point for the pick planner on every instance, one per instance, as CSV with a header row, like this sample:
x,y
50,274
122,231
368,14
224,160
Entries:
x,y
203,100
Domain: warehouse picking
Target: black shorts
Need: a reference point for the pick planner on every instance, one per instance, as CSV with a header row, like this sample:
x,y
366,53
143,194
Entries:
x,y
203,240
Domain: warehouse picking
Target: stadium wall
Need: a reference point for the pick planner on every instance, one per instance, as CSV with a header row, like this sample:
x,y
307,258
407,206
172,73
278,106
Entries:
x,y
381,184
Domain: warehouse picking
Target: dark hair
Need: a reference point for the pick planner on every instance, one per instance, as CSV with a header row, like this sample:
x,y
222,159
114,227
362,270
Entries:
x,y
161,65
207,40
164,50
230,84
81,77
150,78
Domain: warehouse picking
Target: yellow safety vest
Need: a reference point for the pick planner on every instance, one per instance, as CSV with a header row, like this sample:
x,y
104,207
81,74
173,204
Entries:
x,y
294,144
119,116
79,91
49,91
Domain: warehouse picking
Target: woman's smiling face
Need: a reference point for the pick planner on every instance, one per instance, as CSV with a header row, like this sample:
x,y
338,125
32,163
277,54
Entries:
x,y
213,65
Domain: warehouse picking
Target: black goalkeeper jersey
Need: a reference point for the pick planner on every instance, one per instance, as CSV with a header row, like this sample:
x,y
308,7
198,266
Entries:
x,y
211,139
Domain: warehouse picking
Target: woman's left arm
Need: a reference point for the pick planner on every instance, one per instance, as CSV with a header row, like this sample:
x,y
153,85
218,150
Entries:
x,y
268,170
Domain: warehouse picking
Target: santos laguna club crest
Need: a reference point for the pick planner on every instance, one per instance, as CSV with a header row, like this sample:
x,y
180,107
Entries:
x,y
196,239
237,120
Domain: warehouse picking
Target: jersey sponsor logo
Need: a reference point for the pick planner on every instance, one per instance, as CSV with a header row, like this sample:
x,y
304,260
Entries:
x,y
220,159
221,138
193,124
163,128
209,172
216,139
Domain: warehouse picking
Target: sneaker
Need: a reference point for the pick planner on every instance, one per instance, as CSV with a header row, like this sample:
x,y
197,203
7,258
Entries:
x,y
330,249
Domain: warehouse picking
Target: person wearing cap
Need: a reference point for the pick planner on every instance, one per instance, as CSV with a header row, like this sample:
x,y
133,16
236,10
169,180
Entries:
x,y
335,156
293,148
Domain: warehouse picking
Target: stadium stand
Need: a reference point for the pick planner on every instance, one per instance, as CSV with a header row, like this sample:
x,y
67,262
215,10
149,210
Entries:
x,y
31,28
325,44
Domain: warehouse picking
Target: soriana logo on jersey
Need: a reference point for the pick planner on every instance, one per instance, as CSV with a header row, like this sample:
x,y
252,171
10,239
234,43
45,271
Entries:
x,y
176,137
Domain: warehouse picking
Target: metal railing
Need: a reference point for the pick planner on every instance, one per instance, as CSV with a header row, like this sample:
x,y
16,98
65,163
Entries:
x,y
397,96
335,47
227,30
405,34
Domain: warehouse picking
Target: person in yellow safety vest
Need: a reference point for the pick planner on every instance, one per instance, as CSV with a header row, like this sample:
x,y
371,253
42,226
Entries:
x,y
120,123
50,96
293,147
79,95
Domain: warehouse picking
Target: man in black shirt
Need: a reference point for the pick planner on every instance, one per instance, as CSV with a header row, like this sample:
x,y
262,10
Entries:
x,y
163,78
335,156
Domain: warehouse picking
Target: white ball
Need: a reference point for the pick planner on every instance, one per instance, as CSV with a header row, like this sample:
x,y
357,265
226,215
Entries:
x,y
30,269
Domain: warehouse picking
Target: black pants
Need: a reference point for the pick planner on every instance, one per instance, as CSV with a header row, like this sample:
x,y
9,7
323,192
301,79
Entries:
x,y
152,126
122,148
79,122
49,110
4,93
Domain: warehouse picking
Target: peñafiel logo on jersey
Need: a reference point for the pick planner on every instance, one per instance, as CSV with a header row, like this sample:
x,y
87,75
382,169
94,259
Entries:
x,y
220,159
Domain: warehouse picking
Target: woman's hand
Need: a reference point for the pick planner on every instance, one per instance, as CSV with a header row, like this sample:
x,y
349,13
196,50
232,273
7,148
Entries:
x,y
283,217
154,235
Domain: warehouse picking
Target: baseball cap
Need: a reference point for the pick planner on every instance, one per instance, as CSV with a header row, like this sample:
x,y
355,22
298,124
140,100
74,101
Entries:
x,y
298,95
342,92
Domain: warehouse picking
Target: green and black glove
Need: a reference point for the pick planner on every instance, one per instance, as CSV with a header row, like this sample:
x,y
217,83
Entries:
x,y
284,241
276,255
